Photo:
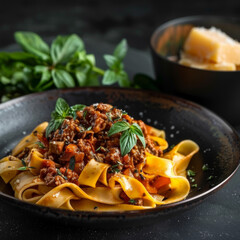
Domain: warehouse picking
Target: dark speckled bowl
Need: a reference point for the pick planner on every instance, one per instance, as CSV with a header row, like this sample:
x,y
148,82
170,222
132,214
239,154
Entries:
x,y
181,119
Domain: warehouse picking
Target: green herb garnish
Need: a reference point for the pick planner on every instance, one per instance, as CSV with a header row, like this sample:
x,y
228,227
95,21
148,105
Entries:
x,y
40,144
171,147
210,178
132,201
89,128
194,185
114,168
60,174
109,116
72,163
116,72
24,167
65,63
192,179
129,135
205,167
23,162
191,173
62,110
84,114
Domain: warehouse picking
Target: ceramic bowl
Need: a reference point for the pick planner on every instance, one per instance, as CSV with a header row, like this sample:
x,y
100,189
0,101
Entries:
x,y
181,119
217,90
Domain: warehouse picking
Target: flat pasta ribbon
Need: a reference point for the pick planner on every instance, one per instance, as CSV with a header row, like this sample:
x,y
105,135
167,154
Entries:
x,y
66,192
95,191
181,155
9,168
30,140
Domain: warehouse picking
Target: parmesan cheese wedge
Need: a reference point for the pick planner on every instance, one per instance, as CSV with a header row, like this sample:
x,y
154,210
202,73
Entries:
x,y
212,45
194,62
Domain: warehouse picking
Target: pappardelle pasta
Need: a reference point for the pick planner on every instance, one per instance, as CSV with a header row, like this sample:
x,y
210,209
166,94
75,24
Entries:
x,y
97,158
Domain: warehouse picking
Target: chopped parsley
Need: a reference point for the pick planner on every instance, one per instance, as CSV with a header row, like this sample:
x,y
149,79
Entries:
x,y
101,147
205,167
191,173
72,163
210,178
171,147
194,185
132,201
89,128
61,175
24,167
109,116
84,114
40,144
115,168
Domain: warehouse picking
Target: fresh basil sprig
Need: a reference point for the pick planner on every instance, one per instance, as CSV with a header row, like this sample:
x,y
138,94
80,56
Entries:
x,y
63,64
129,135
116,71
62,110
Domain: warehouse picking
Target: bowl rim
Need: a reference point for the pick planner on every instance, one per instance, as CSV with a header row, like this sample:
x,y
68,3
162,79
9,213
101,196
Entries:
x,y
129,213
186,19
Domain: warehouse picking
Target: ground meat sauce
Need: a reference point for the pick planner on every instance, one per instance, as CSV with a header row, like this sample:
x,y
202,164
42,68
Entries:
x,y
86,138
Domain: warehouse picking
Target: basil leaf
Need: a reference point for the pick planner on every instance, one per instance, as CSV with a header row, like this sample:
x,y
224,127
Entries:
x,y
45,75
135,128
64,47
127,141
32,43
109,78
91,59
74,109
62,107
118,127
4,80
82,57
122,79
19,56
53,125
121,50
62,79
72,163
40,68
81,78
111,61
145,82
92,80
77,107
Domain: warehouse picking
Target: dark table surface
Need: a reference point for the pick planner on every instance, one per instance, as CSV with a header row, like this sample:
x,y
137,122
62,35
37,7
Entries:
x,y
103,23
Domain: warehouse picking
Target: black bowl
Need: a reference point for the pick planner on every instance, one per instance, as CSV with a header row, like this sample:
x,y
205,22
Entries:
x,y
217,90
219,144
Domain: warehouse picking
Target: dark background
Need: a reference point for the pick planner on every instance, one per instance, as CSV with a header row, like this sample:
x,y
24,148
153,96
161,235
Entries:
x,y
106,20
109,22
